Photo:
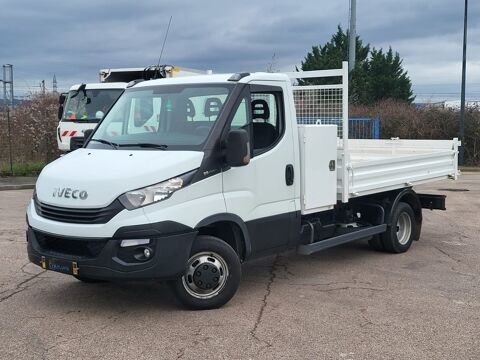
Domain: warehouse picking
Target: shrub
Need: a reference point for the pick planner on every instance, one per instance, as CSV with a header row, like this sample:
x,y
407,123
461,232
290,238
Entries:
x,y
400,119
33,130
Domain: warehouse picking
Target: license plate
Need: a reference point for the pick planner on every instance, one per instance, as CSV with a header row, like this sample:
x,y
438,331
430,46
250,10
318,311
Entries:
x,y
62,266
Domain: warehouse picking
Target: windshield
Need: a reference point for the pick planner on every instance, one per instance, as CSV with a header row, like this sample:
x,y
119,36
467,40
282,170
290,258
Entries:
x,y
173,117
89,105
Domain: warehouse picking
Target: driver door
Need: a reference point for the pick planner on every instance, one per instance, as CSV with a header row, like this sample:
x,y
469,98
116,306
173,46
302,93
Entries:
x,y
260,192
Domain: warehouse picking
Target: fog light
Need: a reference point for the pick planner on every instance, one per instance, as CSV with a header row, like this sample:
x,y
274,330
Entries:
x,y
134,242
147,253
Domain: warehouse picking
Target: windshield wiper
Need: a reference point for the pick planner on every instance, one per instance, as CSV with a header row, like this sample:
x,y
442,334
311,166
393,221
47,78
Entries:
x,y
112,144
146,145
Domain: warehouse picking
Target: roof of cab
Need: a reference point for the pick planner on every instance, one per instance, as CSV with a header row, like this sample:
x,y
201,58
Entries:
x,y
215,78
92,86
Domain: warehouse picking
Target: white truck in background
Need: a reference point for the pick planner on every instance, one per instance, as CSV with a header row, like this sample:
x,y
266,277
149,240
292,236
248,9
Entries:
x,y
82,108
239,167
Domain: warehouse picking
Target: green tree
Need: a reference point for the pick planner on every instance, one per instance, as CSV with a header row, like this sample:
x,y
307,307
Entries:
x,y
331,55
387,78
376,76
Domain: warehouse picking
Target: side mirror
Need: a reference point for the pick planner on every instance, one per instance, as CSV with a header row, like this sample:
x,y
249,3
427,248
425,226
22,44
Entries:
x,y
60,112
61,101
238,148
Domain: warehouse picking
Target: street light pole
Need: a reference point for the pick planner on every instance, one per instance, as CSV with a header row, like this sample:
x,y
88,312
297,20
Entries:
x,y
461,155
352,38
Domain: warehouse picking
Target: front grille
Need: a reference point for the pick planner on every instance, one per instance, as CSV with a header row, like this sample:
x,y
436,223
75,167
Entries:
x,y
66,246
78,216
76,142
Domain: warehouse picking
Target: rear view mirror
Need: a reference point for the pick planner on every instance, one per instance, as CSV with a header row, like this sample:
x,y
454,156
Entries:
x,y
61,101
238,148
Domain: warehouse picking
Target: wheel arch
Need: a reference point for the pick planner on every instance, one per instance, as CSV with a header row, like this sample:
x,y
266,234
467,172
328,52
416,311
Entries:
x,y
229,228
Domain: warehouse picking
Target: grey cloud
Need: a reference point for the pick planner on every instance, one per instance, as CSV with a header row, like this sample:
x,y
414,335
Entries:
x,y
74,39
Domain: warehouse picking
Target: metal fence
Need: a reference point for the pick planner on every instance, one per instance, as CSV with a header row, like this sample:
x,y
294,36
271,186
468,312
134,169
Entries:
x,y
364,128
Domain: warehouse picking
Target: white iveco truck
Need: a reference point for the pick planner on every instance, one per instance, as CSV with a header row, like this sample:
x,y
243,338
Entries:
x,y
82,108
226,175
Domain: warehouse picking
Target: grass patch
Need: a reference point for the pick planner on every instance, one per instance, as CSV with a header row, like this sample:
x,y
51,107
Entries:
x,y
29,168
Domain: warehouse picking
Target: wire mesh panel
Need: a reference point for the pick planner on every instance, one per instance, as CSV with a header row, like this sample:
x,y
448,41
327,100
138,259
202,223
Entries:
x,y
319,105
325,102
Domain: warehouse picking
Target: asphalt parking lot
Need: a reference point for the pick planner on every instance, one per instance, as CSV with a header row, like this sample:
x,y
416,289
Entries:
x,y
344,303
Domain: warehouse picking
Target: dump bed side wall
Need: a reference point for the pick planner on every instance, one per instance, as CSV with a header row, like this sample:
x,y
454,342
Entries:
x,y
382,165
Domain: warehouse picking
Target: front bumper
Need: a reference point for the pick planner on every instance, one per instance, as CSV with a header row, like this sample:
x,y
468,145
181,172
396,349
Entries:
x,y
105,259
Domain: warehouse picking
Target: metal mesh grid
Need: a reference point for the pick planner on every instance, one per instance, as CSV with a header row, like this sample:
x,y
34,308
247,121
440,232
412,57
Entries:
x,y
319,105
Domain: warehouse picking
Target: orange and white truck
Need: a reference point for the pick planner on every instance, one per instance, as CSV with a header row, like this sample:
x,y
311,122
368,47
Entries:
x,y
84,105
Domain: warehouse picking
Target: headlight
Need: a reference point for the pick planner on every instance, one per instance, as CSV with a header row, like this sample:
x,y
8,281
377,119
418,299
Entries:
x,y
155,193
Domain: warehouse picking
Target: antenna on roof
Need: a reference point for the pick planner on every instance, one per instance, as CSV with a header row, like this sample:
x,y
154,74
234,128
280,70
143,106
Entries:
x,y
163,45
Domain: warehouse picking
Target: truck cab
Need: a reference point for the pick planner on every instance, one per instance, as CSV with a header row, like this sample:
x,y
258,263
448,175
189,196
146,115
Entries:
x,y
82,108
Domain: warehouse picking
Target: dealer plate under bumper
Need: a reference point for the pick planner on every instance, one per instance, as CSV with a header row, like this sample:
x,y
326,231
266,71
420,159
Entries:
x,y
62,266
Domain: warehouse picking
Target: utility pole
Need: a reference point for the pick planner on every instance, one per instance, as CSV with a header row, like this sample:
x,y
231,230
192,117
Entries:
x,y
54,84
461,155
352,38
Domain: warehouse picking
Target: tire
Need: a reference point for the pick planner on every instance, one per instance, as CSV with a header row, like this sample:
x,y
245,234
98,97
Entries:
x,y
200,287
89,280
399,236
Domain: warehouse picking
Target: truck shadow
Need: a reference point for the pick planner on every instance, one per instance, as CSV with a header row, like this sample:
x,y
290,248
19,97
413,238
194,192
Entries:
x,y
71,295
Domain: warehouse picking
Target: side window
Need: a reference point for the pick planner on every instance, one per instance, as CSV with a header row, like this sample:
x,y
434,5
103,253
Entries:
x,y
240,119
267,119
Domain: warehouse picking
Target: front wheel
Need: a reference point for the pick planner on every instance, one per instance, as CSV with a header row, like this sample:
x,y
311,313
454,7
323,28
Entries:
x,y
212,275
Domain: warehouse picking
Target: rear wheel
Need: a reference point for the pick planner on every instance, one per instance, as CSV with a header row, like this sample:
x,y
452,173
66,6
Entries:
x,y
212,275
399,236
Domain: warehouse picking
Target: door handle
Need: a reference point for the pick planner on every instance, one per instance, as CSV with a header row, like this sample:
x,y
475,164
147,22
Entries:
x,y
289,175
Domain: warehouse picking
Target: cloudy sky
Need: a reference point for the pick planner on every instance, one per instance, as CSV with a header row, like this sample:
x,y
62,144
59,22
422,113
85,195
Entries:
x,y
74,39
